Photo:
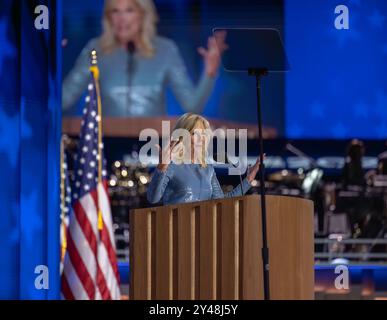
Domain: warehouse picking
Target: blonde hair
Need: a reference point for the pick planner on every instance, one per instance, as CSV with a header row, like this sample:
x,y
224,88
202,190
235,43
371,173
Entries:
x,y
148,29
189,122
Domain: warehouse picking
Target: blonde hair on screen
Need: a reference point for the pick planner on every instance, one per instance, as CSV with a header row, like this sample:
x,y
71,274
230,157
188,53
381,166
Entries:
x,y
148,28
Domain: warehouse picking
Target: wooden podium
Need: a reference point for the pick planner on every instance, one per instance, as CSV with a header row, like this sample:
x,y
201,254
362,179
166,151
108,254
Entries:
x,y
212,250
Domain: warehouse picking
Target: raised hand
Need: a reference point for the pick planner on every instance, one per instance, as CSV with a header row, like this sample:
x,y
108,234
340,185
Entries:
x,y
216,45
165,156
253,170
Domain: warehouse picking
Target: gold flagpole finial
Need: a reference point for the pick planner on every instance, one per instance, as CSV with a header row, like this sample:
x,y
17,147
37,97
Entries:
x,y
94,64
93,57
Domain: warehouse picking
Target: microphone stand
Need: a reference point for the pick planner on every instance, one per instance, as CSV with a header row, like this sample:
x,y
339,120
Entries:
x,y
228,161
131,49
235,165
301,154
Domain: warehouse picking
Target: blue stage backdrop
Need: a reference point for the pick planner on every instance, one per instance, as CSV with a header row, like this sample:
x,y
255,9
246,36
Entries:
x,y
337,87
29,149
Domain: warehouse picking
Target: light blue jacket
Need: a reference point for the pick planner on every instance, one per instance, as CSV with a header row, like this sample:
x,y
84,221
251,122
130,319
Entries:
x,y
150,78
182,183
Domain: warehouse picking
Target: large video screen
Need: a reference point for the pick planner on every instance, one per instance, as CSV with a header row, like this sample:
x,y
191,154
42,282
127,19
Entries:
x,y
331,91
189,24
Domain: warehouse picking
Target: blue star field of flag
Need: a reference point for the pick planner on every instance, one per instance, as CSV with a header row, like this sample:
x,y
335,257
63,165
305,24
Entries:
x,y
337,86
65,197
85,177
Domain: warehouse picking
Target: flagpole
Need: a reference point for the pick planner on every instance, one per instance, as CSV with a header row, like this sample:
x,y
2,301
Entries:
x,y
62,200
92,243
95,71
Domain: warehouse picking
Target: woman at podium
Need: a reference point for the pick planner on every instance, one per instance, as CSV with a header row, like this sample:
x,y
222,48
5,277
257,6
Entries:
x,y
179,181
137,66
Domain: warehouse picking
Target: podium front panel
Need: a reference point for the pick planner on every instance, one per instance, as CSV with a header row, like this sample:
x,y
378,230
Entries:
x,y
212,250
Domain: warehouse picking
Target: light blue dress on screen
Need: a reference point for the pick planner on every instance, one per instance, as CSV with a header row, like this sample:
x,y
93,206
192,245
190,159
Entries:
x,y
150,78
182,183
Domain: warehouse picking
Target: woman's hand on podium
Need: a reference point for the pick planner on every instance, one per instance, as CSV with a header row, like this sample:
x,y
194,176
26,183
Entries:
x,y
216,45
253,170
165,156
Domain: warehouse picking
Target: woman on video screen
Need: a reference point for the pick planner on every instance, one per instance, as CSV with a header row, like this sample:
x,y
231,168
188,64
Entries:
x,y
136,65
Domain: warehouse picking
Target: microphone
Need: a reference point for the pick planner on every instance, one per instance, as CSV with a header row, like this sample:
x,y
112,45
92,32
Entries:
x,y
131,50
131,47
220,157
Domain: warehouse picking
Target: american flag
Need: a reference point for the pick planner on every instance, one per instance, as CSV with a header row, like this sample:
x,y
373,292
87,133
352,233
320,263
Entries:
x,y
65,200
90,265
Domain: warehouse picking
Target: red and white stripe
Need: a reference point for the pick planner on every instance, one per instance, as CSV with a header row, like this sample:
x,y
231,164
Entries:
x,y
90,266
